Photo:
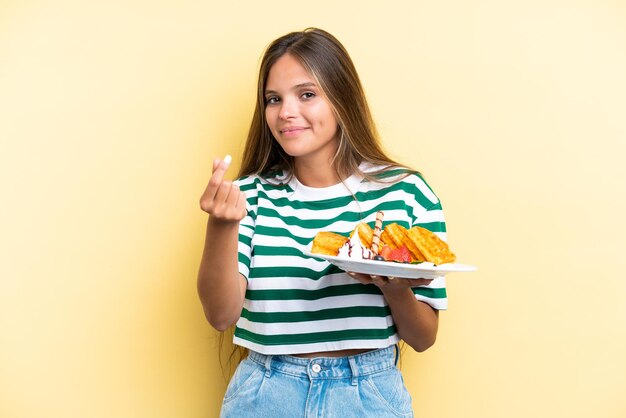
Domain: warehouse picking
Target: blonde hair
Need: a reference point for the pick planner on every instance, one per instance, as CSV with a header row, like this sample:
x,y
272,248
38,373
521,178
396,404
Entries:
x,y
325,58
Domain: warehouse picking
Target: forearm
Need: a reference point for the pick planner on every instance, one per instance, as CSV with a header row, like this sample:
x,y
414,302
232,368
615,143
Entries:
x,y
220,286
416,321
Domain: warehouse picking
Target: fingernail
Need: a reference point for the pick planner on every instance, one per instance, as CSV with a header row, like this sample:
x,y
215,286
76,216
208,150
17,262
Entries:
x,y
227,159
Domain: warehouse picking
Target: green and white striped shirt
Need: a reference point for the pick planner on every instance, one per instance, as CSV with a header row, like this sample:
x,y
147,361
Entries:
x,y
297,304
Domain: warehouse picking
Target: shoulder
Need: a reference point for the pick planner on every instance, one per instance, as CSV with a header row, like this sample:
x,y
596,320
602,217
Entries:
x,y
420,188
401,179
393,175
269,186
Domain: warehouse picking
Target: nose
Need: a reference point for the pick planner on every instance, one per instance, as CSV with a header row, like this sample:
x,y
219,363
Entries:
x,y
288,108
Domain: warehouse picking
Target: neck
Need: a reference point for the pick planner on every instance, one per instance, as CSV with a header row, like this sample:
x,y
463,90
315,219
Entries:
x,y
312,175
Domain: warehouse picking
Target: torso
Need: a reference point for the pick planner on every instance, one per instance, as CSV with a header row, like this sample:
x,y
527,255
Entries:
x,y
306,307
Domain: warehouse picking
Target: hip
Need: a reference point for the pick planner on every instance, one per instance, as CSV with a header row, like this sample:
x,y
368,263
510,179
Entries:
x,y
362,385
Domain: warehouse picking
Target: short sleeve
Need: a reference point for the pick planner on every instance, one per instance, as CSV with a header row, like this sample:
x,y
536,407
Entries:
x,y
431,217
247,224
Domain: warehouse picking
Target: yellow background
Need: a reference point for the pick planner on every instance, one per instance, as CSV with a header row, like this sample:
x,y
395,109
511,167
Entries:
x,y
111,112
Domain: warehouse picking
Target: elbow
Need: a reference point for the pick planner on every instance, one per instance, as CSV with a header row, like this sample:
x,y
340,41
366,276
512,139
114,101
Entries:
x,y
220,316
423,344
220,326
220,322
423,347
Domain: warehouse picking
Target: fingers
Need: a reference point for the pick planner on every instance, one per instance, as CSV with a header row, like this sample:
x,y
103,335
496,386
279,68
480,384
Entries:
x,y
418,282
362,278
233,194
222,198
229,202
223,191
369,279
241,202
379,280
219,169
389,281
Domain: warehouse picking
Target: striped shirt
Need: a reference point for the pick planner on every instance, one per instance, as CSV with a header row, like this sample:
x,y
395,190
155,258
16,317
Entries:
x,y
297,304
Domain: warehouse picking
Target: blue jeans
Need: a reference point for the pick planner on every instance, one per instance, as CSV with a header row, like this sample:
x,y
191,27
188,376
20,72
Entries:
x,y
364,385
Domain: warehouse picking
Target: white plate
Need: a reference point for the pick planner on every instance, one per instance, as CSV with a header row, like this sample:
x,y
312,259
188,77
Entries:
x,y
423,270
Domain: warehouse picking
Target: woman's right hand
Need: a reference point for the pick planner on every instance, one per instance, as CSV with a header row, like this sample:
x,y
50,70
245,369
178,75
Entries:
x,y
221,287
222,199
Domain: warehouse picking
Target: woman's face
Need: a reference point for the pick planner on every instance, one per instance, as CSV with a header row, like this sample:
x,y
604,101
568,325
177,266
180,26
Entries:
x,y
297,114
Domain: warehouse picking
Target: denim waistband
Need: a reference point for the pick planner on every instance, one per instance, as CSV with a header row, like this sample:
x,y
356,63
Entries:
x,y
329,367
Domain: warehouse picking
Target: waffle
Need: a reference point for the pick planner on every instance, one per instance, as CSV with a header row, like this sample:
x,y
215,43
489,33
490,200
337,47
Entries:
x,y
328,243
430,245
423,244
399,236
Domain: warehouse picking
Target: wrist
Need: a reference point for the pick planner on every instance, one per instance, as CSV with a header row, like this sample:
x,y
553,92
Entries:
x,y
393,292
219,223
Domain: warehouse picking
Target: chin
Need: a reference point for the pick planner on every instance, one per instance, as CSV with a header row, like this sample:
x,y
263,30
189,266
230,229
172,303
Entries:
x,y
294,151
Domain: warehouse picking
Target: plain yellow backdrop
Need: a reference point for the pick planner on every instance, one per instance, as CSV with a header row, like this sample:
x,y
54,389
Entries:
x,y
110,115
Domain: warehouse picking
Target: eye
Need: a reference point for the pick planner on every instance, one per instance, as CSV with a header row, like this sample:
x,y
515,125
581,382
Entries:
x,y
271,100
308,95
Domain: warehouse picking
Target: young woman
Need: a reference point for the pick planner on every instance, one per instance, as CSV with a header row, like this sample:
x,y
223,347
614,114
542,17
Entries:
x,y
322,342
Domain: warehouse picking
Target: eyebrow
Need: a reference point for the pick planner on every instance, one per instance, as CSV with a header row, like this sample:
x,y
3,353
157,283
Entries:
x,y
297,86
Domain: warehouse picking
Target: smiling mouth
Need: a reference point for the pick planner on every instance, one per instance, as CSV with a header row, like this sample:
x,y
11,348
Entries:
x,y
293,129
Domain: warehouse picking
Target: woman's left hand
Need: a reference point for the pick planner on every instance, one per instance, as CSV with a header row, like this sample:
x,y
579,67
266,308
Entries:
x,y
415,320
389,282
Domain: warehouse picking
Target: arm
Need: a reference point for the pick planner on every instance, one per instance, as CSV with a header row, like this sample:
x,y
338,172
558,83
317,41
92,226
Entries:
x,y
220,286
416,321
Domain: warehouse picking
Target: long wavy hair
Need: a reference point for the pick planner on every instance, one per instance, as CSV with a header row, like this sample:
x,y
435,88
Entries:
x,y
325,58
